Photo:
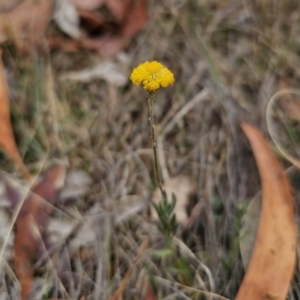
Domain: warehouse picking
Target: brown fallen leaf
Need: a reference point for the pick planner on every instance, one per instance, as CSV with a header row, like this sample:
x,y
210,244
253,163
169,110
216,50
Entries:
x,y
7,140
251,217
136,19
104,34
31,225
27,20
272,264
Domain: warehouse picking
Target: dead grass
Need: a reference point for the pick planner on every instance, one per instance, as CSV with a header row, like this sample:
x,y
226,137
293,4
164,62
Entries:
x,y
238,52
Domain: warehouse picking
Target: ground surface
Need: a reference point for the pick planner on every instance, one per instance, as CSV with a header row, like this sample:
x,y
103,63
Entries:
x,y
228,59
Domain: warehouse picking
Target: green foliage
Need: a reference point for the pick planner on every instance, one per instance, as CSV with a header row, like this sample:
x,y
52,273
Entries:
x,y
182,271
231,257
168,224
162,253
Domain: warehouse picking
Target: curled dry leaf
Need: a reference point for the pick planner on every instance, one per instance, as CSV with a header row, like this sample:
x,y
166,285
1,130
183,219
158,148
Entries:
x,y
184,190
7,140
273,259
31,225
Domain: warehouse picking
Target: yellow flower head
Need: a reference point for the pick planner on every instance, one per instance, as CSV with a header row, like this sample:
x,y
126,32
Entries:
x,y
152,75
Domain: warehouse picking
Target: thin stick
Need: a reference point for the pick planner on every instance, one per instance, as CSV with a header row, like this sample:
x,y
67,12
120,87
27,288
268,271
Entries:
x,y
151,98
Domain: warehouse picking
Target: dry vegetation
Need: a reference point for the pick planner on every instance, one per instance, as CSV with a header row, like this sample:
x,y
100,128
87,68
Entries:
x,y
228,58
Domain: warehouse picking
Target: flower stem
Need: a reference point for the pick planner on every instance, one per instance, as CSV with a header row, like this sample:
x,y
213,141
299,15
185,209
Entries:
x,y
151,98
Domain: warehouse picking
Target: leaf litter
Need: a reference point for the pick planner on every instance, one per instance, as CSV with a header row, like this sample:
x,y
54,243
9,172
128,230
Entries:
x,y
30,19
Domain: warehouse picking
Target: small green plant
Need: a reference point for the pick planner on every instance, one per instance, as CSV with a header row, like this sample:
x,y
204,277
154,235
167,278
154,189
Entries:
x,y
154,75
164,209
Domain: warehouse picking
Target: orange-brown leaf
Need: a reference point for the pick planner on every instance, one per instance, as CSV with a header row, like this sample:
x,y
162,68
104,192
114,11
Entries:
x,y
274,256
27,20
108,36
7,140
136,20
31,226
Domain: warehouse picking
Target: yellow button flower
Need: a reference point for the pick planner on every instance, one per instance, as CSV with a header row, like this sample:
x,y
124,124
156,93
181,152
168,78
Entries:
x,y
152,75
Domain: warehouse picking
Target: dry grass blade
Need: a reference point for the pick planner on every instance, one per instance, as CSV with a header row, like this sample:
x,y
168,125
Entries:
x,y
7,140
274,256
126,278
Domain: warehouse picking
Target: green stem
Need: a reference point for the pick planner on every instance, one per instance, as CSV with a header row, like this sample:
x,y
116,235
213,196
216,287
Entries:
x,y
151,98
